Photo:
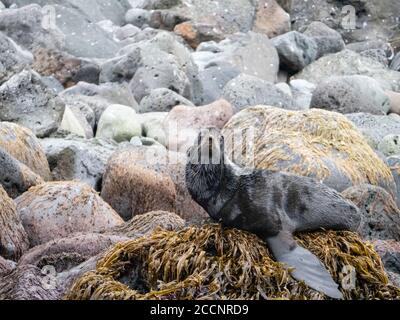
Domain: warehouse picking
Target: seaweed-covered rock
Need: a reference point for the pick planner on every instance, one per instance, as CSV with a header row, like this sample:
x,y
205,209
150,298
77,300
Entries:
x,y
22,144
380,214
28,101
59,209
13,238
183,123
132,190
316,143
351,94
15,177
13,59
206,263
347,63
166,163
146,224
74,158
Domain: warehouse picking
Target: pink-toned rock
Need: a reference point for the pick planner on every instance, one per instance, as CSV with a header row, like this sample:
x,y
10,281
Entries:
x,y
183,123
132,190
271,19
59,209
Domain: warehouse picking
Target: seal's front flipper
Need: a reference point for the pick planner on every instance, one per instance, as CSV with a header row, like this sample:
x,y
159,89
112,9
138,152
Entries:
x,y
307,266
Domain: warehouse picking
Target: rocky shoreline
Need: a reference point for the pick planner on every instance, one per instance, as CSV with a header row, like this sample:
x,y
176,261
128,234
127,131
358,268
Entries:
x,y
100,101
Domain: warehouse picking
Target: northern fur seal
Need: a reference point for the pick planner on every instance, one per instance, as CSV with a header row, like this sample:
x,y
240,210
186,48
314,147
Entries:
x,y
269,204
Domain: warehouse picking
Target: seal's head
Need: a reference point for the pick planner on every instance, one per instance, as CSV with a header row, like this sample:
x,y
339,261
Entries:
x,y
205,165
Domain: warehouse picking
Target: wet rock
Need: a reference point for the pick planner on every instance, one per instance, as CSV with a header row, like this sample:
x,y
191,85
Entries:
x,y
74,121
13,238
295,50
246,91
67,253
28,283
26,100
375,128
172,164
157,19
183,123
6,266
380,214
132,190
389,251
13,59
251,53
15,177
119,123
394,165
56,210
347,63
328,40
162,100
390,145
315,143
21,144
271,19
66,68
351,94
35,35
214,79
78,159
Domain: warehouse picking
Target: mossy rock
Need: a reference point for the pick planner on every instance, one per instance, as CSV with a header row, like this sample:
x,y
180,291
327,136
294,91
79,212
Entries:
x,y
316,143
211,262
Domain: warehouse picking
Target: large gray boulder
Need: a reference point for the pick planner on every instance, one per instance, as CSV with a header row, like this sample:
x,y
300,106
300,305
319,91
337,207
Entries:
x,y
25,26
347,63
351,94
26,100
93,10
73,158
356,20
162,100
13,59
247,91
375,128
295,50
251,53
328,40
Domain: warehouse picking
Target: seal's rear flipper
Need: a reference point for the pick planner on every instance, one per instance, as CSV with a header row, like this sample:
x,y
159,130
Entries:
x,y
307,266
